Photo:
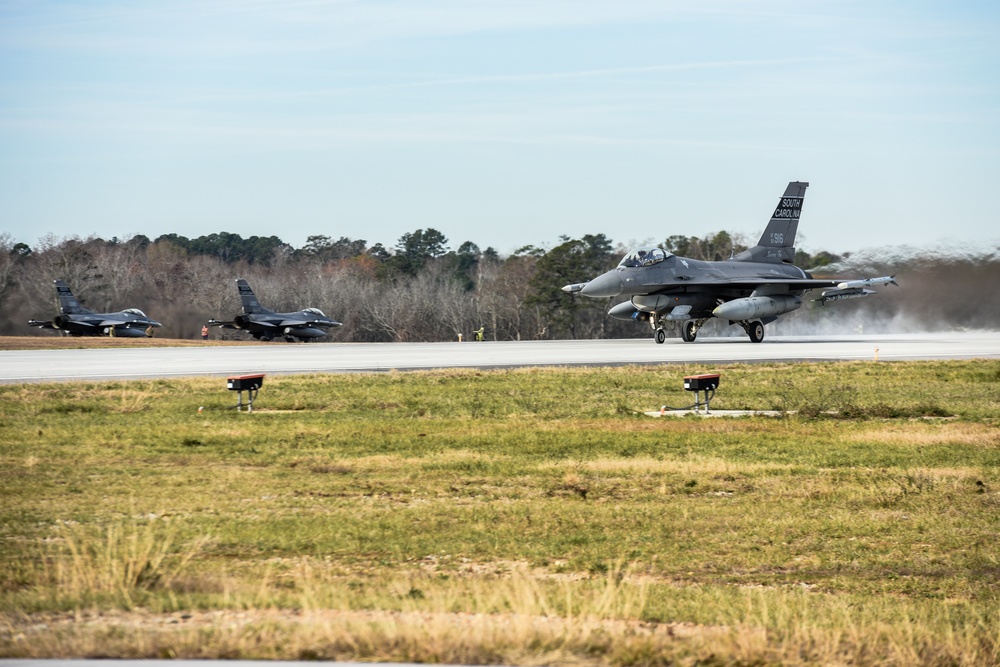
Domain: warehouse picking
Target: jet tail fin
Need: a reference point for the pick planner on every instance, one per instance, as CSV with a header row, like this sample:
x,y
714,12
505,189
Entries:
x,y
250,303
68,305
777,243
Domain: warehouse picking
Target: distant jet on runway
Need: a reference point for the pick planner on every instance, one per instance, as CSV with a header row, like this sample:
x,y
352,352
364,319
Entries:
x,y
751,289
264,324
75,320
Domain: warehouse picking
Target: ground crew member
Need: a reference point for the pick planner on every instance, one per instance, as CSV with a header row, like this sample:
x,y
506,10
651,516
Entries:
x,y
479,333
204,332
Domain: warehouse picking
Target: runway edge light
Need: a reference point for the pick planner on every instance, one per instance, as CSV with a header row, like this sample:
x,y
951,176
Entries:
x,y
248,383
705,382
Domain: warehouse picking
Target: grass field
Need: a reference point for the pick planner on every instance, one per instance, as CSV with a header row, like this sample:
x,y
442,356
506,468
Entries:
x,y
520,517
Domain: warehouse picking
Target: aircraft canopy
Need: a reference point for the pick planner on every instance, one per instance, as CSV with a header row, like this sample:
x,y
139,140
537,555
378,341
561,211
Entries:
x,y
644,257
136,312
314,311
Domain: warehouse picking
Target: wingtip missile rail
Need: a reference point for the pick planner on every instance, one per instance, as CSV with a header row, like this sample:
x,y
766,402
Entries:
x,y
868,282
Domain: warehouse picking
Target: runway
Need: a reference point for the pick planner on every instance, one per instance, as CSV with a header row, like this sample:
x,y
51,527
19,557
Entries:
x,y
19,366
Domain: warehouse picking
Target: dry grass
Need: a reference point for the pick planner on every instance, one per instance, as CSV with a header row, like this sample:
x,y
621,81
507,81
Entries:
x,y
514,618
929,434
113,562
358,635
576,533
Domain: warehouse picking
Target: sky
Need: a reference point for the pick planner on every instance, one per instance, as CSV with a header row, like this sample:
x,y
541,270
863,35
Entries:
x,y
502,122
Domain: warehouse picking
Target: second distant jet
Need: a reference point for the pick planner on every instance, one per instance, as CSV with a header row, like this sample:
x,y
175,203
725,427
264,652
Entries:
x,y
264,324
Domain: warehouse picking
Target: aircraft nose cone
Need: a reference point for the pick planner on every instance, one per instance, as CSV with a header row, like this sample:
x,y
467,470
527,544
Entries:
x,y
608,284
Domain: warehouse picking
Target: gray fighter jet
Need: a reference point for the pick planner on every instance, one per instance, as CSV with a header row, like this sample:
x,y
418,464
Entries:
x,y
75,320
264,324
751,289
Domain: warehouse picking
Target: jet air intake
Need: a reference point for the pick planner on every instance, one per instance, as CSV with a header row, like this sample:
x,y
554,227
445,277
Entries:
x,y
756,307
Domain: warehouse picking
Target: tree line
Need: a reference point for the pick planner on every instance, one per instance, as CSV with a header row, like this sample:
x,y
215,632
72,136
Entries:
x,y
422,290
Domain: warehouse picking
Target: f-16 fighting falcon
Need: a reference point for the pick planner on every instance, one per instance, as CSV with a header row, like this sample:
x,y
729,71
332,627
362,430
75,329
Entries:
x,y
264,324
75,320
751,289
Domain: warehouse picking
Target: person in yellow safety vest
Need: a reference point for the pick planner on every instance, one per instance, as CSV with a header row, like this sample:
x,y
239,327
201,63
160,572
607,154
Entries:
x,y
479,333
204,332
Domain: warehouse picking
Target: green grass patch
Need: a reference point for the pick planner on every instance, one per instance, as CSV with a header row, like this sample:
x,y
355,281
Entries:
x,y
396,509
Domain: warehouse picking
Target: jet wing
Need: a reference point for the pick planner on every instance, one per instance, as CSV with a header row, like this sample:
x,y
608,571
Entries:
x,y
793,284
223,325
842,289
42,324
309,323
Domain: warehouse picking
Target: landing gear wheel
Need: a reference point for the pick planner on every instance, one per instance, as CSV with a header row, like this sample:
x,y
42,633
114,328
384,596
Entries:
x,y
660,336
756,331
689,331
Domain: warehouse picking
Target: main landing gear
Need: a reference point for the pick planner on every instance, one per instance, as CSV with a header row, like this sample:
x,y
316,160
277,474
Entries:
x,y
754,329
689,330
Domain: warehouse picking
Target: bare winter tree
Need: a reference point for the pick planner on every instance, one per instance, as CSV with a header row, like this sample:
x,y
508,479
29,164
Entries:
x,y
121,268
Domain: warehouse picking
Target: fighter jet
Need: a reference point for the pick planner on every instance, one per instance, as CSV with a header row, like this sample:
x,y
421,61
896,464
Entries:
x,y
75,320
264,324
751,289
